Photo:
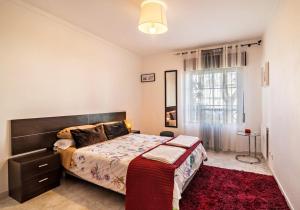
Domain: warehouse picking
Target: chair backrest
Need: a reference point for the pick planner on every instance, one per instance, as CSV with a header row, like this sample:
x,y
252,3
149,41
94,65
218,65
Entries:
x,y
167,133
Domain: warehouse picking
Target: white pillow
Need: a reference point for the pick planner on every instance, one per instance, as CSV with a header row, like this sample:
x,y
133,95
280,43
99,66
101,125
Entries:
x,y
64,143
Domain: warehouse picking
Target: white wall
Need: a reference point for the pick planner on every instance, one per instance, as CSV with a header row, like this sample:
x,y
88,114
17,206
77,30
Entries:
x,y
51,68
252,89
153,94
281,100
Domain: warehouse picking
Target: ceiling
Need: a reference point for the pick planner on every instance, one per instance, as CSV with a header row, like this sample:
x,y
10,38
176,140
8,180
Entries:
x,y
191,23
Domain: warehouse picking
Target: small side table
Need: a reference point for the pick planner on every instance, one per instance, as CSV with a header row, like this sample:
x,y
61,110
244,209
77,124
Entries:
x,y
256,159
33,174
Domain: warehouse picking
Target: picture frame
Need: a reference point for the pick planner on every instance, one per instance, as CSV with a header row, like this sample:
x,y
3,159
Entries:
x,y
265,75
148,77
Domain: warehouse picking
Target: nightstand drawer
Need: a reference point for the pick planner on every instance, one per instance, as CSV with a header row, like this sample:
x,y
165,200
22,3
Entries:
x,y
40,166
40,184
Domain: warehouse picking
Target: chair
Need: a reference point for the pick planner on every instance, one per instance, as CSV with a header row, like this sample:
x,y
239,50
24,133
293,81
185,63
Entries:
x,y
167,133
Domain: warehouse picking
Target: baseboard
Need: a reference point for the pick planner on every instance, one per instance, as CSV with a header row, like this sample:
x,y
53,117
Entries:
x,y
282,190
3,194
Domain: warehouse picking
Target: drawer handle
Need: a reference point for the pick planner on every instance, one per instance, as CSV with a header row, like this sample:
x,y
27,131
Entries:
x,y
42,180
43,165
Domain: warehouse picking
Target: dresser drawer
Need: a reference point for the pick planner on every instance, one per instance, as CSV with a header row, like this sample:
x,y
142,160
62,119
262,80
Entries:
x,y
40,184
40,166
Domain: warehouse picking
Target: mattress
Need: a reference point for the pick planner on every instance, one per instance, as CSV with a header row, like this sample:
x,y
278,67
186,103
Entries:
x,y
105,164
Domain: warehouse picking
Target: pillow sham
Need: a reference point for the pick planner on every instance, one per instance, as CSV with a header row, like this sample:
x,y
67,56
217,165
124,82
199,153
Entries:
x,y
64,144
66,133
86,137
116,129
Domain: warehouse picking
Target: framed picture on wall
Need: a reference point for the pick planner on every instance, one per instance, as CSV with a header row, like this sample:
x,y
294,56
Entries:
x,y
148,77
265,75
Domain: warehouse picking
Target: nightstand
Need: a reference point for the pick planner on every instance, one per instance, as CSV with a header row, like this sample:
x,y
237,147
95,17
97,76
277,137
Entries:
x,y
135,131
33,174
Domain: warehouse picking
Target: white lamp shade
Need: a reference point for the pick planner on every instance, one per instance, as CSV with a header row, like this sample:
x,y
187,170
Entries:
x,y
153,18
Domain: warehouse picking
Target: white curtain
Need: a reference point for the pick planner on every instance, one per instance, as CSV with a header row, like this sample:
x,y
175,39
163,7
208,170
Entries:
x,y
214,94
214,105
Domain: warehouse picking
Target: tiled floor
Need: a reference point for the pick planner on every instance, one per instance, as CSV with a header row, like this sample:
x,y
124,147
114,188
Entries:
x,y
74,194
227,160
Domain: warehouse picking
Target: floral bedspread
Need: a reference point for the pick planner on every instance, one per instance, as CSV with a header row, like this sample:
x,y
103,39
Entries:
x,y
106,163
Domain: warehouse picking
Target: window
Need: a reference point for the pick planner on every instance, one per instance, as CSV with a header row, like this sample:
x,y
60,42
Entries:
x,y
214,96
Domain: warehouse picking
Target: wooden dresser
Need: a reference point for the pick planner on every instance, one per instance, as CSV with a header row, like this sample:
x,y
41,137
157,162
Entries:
x,y
33,174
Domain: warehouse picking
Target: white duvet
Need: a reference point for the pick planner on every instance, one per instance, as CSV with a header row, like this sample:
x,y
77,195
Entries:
x,y
106,163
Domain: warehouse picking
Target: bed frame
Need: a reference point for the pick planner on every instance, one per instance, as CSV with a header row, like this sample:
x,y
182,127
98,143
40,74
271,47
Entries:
x,y
28,135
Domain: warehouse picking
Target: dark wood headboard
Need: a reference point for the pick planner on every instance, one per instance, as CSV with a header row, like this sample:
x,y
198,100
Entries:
x,y
37,133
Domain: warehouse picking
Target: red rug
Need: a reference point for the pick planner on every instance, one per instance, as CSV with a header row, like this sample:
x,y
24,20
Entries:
x,y
216,189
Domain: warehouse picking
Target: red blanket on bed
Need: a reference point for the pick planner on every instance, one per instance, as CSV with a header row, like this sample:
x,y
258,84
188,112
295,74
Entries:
x,y
149,183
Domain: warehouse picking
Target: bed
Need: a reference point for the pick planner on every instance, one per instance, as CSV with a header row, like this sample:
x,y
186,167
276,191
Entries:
x,y
106,163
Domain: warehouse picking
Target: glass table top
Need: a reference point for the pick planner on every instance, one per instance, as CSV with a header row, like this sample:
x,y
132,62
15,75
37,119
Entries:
x,y
242,133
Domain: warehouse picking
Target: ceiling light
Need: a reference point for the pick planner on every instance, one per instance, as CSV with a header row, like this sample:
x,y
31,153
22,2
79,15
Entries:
x,y
153,18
